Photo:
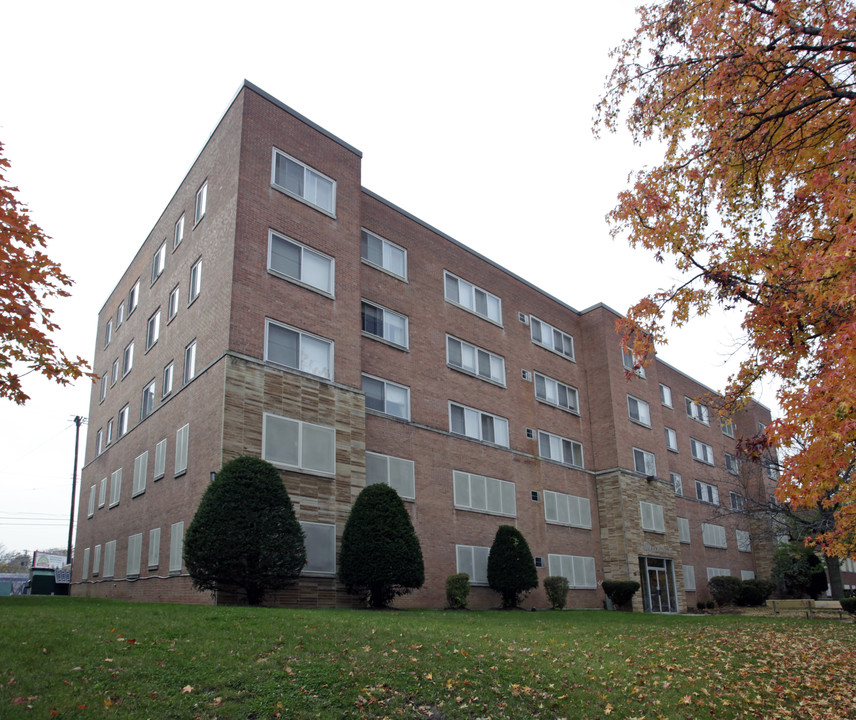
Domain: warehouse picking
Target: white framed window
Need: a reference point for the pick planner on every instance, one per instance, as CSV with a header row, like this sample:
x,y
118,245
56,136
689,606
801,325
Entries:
x,y
158,262
665,395
168,373
697,411
102,492
99,442
172,306
747,575
701,451
551,338
706,492
85,575
114,372
91,510
182,441
579,571
652,517
123,421
684,530
297,349
727,426
472,298
471,359
190,362
160,460
639,410
478,425
128,358
320,542
385,324
141,469
154,548
689,578
301,181
671,439
135,552
201,202
387,397
563,509
644,462
195,281
299,445
108,332
556,393
133,297
731,464
109,432
484,494
178,234
176,546
383,254
738,502
294,261
713,535
717,572
109,559
744,541
115,487
631,364
472,560
96,560
153,330
677,483
103,391
147,405
560,449
120,314
396,472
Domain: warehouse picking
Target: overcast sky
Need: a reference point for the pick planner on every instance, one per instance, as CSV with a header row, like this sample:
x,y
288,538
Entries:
x,y
473,116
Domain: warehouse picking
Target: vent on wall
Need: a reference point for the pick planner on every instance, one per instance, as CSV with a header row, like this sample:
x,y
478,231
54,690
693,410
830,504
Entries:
x,y
530,433
526,375
524,318
539,562
536,496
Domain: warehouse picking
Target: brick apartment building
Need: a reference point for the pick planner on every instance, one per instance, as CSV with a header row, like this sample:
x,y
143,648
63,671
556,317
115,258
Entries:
x,y
280,309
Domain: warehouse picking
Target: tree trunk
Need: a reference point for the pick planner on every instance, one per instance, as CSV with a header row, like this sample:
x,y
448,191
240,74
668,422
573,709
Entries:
x,y
833,568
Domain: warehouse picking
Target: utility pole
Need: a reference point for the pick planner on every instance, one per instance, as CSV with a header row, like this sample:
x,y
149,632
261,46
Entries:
x,y
77,422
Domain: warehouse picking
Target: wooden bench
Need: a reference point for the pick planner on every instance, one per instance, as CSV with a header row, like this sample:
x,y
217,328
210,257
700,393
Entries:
x,y
812,608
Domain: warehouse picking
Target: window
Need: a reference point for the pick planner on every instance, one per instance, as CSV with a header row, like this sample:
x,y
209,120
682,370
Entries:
x,y
707,493
167,379
115,487
299,445
387,397
160,459
153,330
473,298
666,395
301,181
744,541
579,571
99,442
291,260
549,337
178,234
697,412
684,530
91,510
396,472
383,254
677,483
109,559
738,502
727,426
652,517
103,391
85,575
133,297
172,307
108,332
701,451
190,362
141,468
109,431
559,449
128,359
689,578
562,509
120,314
182,439
96,560
114,372
148,403
383,323
631,364
639,410
471,359
556,393
485,494
671,439
154,548
158,262
713,535
201,202
320,541
123,421
102,492
644,462
478,425
176,546
747,575
299,350
717,572
195,281
135,551
472,560
731,464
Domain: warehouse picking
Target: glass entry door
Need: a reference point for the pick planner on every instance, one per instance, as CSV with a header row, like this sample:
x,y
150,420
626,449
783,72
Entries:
x,y
658,585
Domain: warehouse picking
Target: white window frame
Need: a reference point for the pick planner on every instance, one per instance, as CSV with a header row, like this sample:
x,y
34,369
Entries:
x,y
551,338
732,465
109,568
684,530
308,255
182,443
123,421
677,483
96,560
99,442
665,395
553,392
738,502
310,177
147,403
135,552
628,361
153,329
120,314
195,282
568,510
472,560
727,426
468,298
159,262
398,473
747,575
91,509
172,305
697,411
108,332
475,359
652,517
154,548
639,411
85,574
701,452
386,324
319,563
671,439
387,252
115,487
580,571
128,358
178,233
689,578
713,536
744,541
480,493
190,362
305,432
133,297
160,460
717,572
386,385
644,462
141,469
303,359
201,204
114,372
475,423
707,493
102,492
176,547
102,393
168,376
109,432
556,445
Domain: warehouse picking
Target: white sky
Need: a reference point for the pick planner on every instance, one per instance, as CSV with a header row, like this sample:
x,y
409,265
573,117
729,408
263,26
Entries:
x,y
473,116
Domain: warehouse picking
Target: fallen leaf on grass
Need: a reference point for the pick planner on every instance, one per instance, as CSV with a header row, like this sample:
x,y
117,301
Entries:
x,y
187,689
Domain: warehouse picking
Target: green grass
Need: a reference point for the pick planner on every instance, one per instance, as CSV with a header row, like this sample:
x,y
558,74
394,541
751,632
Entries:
x,y
77,658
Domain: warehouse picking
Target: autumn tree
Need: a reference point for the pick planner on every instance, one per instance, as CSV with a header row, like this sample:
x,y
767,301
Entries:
x,y
754,104
28,280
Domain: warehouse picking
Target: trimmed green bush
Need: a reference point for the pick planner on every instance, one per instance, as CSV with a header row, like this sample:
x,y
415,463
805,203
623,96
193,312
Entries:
x,y
725,589
244,537
458,591
701,604
557,591
620,592
849,605
510,566
710,604
754,592
381,557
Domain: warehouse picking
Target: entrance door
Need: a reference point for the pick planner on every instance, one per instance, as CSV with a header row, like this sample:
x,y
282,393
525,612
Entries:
x,y
658,585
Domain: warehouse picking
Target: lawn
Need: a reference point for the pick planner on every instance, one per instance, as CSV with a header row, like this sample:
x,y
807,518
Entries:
x,y
78,658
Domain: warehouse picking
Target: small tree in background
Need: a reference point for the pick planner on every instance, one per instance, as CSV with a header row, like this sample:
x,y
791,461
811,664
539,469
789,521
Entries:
x,y
556,587
510,566
381,557
798,571
458,591
244,537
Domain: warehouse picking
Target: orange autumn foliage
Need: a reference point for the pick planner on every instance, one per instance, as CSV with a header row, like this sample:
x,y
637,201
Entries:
x,y
754,103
